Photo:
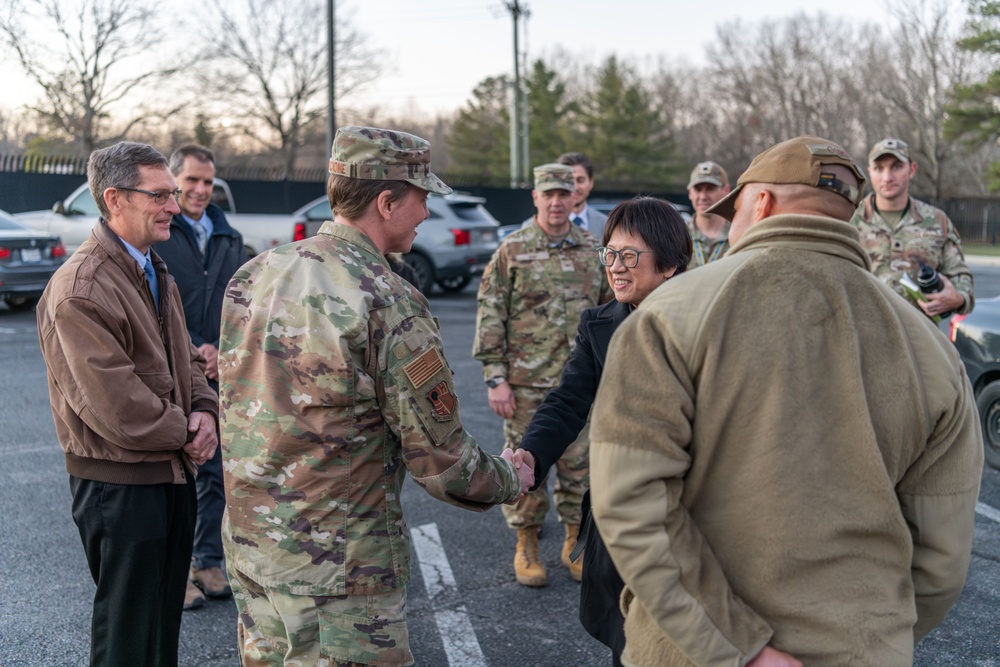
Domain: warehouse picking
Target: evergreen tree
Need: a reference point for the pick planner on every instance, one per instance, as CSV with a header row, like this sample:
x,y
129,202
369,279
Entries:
x,y
624,133
480,139
548,115
974,113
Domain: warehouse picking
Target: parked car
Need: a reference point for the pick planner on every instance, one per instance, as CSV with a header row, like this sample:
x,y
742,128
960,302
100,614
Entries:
x,y
27,260
604,206
454,244
72,219
977,338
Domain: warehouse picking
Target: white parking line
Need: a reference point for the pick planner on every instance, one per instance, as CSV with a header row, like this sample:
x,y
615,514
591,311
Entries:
x,y
985,510
459,637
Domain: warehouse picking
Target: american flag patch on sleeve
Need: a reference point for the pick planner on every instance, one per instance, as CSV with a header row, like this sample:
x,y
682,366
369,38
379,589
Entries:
x,y
423,368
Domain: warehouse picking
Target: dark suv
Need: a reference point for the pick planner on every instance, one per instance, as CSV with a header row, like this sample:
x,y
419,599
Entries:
x,y
977,338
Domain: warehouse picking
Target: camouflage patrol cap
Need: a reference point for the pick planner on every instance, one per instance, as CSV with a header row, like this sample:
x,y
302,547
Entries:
x,y
708,172
798,161
554,176
894,147
371,153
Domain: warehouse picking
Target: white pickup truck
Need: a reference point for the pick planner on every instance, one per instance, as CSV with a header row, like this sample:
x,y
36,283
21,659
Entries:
x,y
72,219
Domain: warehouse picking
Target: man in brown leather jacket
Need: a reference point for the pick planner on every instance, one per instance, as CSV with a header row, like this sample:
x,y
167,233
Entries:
x,y
132,408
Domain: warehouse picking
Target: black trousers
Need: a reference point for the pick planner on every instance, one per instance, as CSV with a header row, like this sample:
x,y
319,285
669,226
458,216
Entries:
x,y
138,544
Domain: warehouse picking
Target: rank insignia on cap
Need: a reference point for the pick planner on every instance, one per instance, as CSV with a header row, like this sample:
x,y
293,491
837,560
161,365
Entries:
x,y
423,368
442,401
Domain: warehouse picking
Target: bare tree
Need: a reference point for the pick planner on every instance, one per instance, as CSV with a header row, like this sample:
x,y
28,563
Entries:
x,y
780,79
89,58
14,131
912,74
268,67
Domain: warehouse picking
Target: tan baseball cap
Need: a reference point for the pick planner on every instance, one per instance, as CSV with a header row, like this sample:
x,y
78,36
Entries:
x,y
371,153
895,147
554,176
797,161
708,172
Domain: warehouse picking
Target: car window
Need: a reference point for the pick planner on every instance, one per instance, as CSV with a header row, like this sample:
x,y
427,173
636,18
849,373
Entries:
x,y
8,223
321,211
470,211
84,204
219,198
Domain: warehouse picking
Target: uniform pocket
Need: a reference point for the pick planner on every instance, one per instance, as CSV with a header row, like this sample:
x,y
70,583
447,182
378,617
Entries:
x,y
367,629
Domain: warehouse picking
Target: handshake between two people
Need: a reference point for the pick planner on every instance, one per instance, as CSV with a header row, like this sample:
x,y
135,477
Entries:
x,y
524,463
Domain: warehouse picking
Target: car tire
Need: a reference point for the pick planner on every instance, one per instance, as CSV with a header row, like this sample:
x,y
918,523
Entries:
x,y
988,403
424,270
21,302
454,284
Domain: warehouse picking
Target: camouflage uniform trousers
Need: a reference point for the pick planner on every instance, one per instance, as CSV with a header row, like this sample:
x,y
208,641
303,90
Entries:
x,y
278,629
572,468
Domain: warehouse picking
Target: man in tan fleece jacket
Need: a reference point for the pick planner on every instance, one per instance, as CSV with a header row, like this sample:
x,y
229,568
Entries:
x,y
789,475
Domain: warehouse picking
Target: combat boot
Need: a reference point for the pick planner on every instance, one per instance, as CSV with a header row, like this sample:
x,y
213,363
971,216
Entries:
x,y
528,566
575,566
212,581
193,597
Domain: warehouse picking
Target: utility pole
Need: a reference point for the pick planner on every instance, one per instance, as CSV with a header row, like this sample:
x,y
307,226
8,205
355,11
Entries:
x,y
518,109
331,109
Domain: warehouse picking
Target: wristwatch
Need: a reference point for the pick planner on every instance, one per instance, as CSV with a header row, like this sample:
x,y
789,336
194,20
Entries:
x,y
495,382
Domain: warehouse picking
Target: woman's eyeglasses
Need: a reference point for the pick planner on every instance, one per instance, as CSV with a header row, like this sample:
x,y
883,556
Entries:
x,y
628,256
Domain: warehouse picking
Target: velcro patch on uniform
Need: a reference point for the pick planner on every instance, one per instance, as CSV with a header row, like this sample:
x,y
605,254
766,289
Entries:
x,y
829,150
442,401
423,368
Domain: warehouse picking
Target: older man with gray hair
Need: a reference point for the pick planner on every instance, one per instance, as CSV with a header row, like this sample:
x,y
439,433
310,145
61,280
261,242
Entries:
x,y
788,475
132,408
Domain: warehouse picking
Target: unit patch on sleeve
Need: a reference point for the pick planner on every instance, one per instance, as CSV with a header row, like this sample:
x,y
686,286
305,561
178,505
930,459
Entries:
x,y
442,401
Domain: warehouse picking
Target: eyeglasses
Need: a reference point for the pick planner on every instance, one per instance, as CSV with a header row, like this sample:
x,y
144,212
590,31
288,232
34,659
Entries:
x,y
628,256
159,198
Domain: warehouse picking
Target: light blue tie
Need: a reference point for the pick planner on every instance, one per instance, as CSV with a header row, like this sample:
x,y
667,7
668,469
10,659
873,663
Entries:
x,y
151,279
202,235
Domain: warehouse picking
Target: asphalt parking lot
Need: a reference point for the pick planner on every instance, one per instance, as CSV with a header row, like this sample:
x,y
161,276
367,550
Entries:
x,y
464,606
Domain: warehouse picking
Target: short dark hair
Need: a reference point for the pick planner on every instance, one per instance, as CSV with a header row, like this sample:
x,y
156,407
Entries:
x,y
349,197
658,223
198,152
573,159
118,166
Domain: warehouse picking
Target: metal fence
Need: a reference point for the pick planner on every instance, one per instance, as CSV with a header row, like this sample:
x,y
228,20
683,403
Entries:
x,y
29,182
977,219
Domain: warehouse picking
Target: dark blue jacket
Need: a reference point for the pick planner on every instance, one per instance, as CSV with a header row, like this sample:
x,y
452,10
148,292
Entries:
x,y
201,279
553,428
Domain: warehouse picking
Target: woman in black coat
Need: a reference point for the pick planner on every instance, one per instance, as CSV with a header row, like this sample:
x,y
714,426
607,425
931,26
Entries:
x,y
645,243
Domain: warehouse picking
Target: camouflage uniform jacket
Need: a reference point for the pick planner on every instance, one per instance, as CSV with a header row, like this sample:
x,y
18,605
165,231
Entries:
x,y
333,384
530,300
705,249
924,234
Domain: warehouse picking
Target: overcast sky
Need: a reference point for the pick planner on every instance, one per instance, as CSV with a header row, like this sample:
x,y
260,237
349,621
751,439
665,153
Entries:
x,y
434,52
441,49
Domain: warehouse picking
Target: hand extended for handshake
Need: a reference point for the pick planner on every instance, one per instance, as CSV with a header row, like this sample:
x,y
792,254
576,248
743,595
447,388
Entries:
x,y
525,469
772,657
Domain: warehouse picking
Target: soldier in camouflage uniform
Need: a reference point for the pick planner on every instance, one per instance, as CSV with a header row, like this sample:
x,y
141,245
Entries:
x,y
709,232
900,233
335,385
532,293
